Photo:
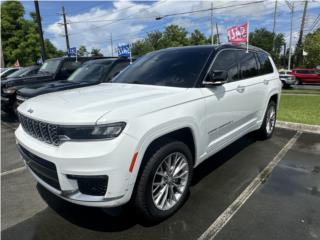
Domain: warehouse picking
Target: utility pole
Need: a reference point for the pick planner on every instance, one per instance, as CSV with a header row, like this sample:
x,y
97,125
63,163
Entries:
x,y
65,29
111,44
284,54
291,6
211,23
299,44
218,38
43,50
274,23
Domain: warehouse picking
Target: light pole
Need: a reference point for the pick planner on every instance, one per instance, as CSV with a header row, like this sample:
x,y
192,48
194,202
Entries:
x,y
291,6
211,23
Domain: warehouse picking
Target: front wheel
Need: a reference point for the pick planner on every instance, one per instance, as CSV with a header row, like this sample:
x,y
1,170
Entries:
x,y
164,182
269,122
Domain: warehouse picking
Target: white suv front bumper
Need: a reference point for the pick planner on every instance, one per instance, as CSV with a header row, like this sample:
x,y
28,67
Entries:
x,y
109,158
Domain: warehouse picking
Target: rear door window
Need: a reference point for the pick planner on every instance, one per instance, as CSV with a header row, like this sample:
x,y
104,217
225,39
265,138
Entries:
x,y
248,65
265,64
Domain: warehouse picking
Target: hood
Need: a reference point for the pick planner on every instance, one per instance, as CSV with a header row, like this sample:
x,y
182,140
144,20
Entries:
x,y
35,90
114,101
10,82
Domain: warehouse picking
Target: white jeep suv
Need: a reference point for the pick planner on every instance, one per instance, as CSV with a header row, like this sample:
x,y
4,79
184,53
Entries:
x,y
140,137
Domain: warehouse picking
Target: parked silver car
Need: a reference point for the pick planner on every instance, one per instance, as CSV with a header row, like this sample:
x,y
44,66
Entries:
x,y
287,78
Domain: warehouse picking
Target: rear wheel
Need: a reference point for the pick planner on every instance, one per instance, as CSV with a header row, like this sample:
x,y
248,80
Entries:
x,y
164,181
269,121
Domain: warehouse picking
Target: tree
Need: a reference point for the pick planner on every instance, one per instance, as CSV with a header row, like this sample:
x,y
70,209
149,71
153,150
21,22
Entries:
x,y
198,38
20,39
175,36
82,51
311,45
263,38
95,52
141,47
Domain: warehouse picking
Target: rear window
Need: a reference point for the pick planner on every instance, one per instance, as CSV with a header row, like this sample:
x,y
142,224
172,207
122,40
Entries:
x,y
306,71
265,64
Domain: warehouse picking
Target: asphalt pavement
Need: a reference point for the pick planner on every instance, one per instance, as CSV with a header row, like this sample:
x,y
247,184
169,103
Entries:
x,y
285,205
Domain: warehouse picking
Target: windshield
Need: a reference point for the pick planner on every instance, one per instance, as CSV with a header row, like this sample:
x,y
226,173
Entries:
x,y
50,66
91,72
18,73
178,67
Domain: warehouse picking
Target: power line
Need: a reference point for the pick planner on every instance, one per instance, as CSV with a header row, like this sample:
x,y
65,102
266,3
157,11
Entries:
x,y
205,10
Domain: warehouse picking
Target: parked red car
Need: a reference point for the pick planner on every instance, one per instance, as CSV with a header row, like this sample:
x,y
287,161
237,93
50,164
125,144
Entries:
x,y
304,75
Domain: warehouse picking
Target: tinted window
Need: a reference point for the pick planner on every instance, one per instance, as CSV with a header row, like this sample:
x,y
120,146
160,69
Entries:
x,y
117,67
18,73
170,67
91,72
50,66
306,71
248,65
265,64
227,61
10,71
70,66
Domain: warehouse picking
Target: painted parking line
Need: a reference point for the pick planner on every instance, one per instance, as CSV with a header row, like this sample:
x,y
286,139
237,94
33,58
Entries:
x,y
13,171
228,213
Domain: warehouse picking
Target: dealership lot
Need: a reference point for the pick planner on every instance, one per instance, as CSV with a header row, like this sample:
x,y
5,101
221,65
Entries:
x,y
285,206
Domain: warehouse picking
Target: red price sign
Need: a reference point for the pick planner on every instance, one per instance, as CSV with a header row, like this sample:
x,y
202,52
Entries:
x,y
238,34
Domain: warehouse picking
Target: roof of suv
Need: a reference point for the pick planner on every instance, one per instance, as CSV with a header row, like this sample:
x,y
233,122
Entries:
x,y
106,60
221,46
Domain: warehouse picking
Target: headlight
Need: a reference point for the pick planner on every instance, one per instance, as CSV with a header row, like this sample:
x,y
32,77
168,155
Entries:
x,y
107,131
9,90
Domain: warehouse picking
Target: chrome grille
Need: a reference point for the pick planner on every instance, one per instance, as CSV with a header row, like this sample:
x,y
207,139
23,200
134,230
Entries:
x,y
45,132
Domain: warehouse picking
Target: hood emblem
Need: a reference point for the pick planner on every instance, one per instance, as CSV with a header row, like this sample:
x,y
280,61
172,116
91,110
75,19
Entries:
x,y
30,110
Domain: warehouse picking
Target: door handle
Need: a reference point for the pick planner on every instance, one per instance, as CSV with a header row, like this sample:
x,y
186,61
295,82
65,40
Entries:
x,y
240,89
266,82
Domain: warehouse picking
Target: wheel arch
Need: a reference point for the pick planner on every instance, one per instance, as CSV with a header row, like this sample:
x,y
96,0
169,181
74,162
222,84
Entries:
x,y
184,133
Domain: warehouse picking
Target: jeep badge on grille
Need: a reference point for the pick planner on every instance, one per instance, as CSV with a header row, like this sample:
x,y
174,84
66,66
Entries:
x,y
30,110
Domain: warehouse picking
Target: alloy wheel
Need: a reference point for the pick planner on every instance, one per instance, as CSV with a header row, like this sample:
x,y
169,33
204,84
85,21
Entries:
x,y
271,119
170,181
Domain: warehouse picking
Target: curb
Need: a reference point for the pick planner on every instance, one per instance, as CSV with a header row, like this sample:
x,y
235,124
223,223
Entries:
x,y
299,127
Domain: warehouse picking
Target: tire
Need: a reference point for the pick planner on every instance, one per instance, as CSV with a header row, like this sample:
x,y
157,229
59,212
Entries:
x,y
268,125
299,81
145,201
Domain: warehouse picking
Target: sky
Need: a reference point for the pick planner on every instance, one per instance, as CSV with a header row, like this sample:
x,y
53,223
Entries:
x,y
91,23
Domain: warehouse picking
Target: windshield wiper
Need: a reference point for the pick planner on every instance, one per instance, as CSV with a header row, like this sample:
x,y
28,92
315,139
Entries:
x,y
137,82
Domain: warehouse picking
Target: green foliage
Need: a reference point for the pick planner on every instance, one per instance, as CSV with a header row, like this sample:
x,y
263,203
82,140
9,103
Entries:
x,y
20,39
172,36
175,36
263,39
95,52
198,38
82,51
311,45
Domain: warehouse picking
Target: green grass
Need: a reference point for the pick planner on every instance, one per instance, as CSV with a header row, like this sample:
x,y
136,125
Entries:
x,y
300,109
301,91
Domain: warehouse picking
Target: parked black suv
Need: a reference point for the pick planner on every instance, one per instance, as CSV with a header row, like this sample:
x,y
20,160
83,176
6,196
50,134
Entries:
x,y
52,70
90,73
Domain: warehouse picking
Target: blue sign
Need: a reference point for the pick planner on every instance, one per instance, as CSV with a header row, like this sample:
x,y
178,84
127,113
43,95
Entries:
x,y
72,52
124,50
39,61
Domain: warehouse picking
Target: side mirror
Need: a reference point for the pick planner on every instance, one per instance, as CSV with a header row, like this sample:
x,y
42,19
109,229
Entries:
x,y
216,77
